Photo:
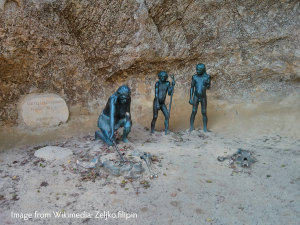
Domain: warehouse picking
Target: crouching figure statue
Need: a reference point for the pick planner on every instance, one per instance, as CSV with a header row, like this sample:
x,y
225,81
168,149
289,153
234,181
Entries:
x,y
116,114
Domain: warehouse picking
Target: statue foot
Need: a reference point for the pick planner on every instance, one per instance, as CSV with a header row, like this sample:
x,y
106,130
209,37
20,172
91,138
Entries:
x,y
97,135
125,140
109,143
167,132
205,130
192,128
152,132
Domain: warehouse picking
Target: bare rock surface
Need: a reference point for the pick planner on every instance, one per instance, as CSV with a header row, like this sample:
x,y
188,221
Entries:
x,y
53,153
83,50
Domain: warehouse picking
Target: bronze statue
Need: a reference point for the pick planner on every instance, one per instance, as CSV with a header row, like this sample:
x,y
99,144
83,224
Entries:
x,y
200,82
162,87
116,114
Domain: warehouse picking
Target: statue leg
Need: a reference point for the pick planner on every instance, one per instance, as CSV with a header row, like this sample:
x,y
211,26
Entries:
x,y
203,110
166,114
103,134
122,123
155,114
98,135
125,135
103,124
194,112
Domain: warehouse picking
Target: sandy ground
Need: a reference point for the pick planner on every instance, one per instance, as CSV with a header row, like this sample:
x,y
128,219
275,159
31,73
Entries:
x,y
192,187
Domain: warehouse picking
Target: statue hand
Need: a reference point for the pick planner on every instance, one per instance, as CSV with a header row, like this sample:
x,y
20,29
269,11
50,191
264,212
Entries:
x,y
173,83
191,102
206,84
112,137
157,106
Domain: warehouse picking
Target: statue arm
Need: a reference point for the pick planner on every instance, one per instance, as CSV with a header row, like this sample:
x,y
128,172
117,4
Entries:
x,y
128,109
208,82
156,94
170,88
192,89
112,117
128,105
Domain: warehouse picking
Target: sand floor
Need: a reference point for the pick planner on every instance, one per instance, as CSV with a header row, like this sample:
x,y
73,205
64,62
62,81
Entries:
x,y
192,187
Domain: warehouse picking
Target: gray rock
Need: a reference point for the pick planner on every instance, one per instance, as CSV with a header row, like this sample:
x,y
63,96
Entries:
x,y
53,153
43,110
137,153
129,171
95,163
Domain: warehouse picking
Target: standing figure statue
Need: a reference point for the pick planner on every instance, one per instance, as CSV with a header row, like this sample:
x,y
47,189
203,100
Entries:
x,y
116,114
200,82
162,86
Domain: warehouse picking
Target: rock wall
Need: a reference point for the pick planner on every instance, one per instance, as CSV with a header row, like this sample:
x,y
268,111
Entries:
x,y
82,50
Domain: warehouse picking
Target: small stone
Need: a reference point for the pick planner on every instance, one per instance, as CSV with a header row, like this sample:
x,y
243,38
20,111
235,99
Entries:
x,y
44,184
53,153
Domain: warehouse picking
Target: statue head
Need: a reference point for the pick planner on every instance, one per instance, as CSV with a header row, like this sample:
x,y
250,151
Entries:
x,y
163,76
123,93
200,68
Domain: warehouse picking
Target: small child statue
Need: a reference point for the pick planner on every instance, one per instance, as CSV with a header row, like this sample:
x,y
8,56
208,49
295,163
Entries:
x,y
200,82
162,86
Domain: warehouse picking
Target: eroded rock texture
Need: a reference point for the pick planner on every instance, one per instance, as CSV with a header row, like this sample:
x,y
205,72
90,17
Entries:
x,y
83,49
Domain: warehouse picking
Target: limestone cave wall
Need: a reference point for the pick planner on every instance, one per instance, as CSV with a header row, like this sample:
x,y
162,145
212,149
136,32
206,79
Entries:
x,y
83,50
